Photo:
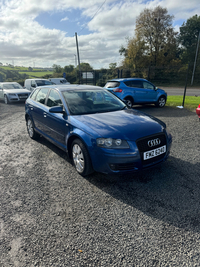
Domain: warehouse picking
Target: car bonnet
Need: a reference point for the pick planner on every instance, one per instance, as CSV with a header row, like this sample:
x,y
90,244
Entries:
x,y
124,124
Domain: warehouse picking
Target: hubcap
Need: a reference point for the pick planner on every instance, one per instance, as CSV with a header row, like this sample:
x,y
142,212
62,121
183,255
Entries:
x,y
129,103
78,158
161,102
5,99
30,128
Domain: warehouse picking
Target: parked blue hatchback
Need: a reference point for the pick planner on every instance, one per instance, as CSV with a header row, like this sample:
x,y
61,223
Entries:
x,y
137,91
98,131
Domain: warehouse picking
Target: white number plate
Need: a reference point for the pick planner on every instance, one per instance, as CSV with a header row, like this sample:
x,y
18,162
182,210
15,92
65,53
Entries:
x,y
154,153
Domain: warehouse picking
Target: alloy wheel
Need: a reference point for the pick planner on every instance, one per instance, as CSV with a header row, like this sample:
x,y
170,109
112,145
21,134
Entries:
x,y
30,128
78,158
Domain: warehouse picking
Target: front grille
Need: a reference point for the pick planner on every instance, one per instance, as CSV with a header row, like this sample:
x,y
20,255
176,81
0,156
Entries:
x,y
142,145
122,166
23,95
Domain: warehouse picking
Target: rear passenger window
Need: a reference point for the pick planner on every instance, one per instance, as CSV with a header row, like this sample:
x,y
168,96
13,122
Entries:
x,y
41,96
54,99
134,83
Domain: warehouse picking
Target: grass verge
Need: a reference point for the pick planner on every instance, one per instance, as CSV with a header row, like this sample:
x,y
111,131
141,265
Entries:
x,y
191,102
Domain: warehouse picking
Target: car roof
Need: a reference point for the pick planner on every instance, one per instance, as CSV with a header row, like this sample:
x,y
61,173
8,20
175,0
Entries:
x,y
8,82
126,79
63,87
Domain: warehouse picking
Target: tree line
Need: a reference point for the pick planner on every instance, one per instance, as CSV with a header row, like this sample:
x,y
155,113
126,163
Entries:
x,y
157,51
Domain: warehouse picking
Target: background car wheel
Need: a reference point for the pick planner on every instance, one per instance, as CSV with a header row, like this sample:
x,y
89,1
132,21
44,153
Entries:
x,y
129,102
81,158
30,129
6,101
161,102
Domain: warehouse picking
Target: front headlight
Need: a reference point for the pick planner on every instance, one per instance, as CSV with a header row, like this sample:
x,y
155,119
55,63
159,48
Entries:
x,y
12,94
112,143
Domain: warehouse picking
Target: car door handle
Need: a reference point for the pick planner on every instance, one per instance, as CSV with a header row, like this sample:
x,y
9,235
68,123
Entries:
x,y
45,114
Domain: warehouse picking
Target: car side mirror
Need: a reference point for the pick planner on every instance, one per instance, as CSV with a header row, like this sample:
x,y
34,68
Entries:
x,y
57,109
33,85
156,88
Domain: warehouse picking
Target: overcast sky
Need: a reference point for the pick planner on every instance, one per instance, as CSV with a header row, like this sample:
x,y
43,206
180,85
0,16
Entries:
x,y
41,33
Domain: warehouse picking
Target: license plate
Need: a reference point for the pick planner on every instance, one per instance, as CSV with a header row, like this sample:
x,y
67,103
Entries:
x,y
154,153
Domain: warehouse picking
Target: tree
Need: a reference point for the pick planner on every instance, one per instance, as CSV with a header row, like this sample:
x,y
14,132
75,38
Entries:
x,y
155,40
57,68
188,38
69,68
112,66
85,67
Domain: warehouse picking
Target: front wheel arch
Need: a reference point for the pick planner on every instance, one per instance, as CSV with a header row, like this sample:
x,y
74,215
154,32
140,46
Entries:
x,y
6,100
161,101
81,157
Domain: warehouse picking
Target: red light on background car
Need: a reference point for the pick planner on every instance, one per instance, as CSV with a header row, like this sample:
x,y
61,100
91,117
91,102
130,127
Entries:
x,y
117,90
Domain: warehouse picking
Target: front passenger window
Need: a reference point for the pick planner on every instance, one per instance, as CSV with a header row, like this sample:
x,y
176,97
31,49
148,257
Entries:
x,y
148,86
54,99
41,96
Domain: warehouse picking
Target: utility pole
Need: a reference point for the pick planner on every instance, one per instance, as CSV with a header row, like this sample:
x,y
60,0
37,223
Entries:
x,y
195,61
78,58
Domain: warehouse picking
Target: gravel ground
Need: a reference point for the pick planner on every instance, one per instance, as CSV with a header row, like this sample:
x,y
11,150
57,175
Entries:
x,y
51,216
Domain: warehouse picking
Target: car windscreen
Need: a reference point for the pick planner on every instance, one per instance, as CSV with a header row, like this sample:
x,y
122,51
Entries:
x,y
112,84
12,86
43,82
90,101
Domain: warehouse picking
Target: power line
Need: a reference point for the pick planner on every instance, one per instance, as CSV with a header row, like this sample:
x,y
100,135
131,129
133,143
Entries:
x,y
93,15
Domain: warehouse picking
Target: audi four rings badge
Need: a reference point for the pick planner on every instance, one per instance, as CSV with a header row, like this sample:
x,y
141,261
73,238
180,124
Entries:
x,y
154,142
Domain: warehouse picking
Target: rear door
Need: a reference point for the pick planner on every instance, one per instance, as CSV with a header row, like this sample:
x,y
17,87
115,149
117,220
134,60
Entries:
x,y
39,109
56,123
136,90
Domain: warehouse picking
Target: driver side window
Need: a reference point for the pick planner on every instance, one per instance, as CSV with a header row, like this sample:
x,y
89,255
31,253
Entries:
x,y
41,96
148,86
54,99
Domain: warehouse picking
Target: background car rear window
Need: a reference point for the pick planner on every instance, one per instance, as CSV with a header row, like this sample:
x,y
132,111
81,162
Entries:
x,y
112,84
41,96
54,99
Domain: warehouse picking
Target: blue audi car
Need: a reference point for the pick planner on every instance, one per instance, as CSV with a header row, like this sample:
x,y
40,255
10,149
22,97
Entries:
x,y
98,131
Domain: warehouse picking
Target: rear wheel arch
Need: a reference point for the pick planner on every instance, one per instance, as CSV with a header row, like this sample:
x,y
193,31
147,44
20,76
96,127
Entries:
x,y
129,100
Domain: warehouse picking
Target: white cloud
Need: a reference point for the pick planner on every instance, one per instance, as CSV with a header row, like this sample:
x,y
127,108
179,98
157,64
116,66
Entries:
x,y
64,19
24,40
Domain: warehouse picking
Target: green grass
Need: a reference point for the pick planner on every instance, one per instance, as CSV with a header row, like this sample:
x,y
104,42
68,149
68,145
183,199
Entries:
x,y
191,102
36,74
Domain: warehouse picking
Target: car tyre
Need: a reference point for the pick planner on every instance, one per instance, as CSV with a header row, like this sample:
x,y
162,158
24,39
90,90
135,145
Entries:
x,y
161,102
81,158
31,131
6,101
129,102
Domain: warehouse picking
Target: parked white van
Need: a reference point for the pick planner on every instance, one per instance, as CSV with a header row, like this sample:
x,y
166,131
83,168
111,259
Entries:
x,y
59,80
31,84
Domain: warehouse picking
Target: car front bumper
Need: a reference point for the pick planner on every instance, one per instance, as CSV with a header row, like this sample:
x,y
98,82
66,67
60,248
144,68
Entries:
x,y
125,161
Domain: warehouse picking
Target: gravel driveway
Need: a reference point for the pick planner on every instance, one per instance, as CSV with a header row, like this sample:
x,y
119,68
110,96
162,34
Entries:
x,y
51,216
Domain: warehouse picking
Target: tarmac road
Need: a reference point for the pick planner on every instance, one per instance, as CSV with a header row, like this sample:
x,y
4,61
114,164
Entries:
x,y
190,91
51,216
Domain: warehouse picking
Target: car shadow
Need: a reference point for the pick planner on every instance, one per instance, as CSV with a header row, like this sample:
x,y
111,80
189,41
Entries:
x,y
164,112
169,192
